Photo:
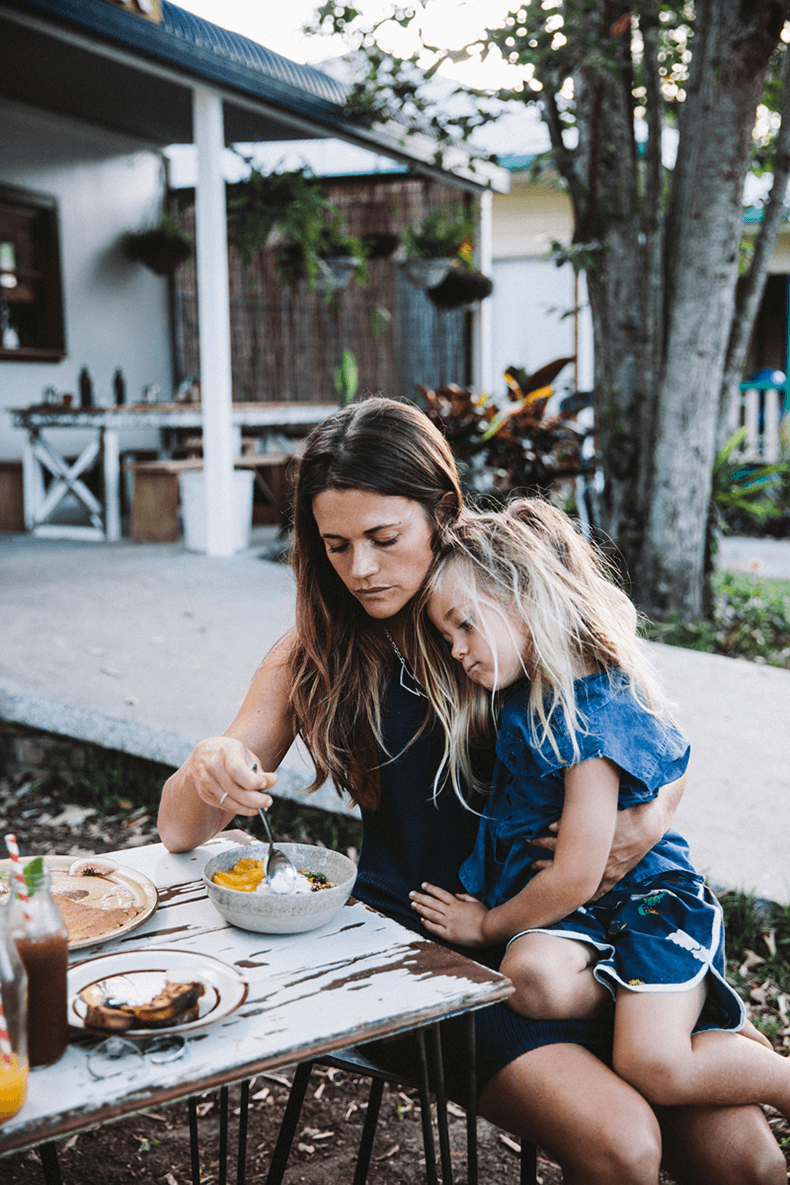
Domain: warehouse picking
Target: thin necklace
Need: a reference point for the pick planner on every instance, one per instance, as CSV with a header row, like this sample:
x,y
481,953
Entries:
x,y
404,669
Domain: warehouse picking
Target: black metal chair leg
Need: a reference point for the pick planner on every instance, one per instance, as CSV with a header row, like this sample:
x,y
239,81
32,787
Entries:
x,y
368,1131
223,1135
288,1126
49,1163
434,1037
470,1092
244,1106
193,1141
529,1163
425,1111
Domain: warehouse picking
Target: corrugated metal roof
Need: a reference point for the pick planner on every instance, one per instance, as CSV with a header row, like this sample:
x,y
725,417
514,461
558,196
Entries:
x,y
244,52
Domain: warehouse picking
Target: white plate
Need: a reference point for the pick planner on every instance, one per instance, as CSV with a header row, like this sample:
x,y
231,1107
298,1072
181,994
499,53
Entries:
x,y
123,887
141,974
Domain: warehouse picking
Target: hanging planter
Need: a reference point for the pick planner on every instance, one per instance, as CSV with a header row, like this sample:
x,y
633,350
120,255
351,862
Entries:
x,y
161,249
426,273
379,245
432,243
335,274
460,289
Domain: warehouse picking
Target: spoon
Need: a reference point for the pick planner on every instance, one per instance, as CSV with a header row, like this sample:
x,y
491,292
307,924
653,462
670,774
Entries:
x,y
281,872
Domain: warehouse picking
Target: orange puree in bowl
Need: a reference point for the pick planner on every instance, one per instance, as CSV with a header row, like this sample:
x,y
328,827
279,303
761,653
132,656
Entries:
x,y
244,876
13,1087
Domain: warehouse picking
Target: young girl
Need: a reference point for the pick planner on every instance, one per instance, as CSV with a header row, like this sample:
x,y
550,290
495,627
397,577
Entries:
x,y
529,609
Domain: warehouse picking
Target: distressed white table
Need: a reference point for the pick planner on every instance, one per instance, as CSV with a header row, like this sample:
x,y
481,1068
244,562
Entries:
x,y
106,424
358,978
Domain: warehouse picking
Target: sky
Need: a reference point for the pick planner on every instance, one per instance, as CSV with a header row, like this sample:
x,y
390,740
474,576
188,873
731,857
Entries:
x,y
277,26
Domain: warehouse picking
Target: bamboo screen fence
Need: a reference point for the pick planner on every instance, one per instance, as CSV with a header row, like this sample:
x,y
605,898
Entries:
x,y
287,342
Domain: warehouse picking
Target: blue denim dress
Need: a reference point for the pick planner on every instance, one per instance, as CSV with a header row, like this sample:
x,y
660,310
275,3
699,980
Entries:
x,y
413,837
658,929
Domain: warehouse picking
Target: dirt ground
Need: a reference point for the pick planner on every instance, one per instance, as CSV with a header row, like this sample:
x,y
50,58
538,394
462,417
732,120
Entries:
x,y
154,1146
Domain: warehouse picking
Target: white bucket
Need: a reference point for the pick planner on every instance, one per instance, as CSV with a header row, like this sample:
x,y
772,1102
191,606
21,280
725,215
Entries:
x,y
193,508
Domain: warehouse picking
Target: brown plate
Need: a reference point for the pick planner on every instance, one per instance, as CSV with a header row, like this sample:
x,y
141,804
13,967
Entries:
x,y
96,908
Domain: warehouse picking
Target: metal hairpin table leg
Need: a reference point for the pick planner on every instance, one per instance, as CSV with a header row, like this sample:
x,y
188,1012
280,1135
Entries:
x,y
425,1110
365,1150
49,1163
529,1163
223,1135
435,1040
244,1104
289,1122
193,1140
470,1088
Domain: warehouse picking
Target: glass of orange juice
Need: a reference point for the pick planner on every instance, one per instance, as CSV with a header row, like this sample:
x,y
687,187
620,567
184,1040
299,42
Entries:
x,y
13,1085
13,1024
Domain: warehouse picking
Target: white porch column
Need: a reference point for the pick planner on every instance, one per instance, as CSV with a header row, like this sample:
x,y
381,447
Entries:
x,y
214,322
483,377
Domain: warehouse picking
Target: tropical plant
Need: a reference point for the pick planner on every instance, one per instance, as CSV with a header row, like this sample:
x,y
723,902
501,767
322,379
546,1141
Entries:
x,y
743,493
346,378
508,444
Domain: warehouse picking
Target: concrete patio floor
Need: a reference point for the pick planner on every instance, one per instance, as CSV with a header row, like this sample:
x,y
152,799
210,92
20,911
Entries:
x,y
147,648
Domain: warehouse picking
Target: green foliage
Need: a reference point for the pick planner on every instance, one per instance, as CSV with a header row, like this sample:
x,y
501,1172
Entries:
x,y
750,618
34,874
295,206
114,782
742,491
290,202
441,232
346,378
761,928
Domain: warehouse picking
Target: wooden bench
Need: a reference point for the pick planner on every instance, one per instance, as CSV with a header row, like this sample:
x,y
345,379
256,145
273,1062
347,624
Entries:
x,y
155,501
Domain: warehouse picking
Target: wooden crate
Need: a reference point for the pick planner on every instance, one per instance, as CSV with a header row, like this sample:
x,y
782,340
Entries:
x,y
155,503
12,507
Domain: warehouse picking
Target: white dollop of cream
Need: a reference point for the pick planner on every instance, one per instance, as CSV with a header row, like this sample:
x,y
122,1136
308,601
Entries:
x,y
301,885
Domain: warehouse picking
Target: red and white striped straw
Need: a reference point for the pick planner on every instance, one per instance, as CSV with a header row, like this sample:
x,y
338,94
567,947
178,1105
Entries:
x,y
13,851
6,1054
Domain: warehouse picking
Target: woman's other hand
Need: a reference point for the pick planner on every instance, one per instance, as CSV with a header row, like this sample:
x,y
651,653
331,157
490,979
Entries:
x,y
638,829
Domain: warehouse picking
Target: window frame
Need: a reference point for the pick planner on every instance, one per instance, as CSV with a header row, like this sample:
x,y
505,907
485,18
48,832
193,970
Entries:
x,y
42,208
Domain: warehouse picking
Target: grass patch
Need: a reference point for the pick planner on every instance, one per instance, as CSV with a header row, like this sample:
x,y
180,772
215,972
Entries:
x,y
758,961
113,782
750,618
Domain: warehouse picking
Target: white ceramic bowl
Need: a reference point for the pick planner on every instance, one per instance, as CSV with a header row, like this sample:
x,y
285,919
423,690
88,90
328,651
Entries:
x,y
292,913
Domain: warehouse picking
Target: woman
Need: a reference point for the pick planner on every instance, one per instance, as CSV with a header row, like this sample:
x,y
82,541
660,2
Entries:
x,y
376,481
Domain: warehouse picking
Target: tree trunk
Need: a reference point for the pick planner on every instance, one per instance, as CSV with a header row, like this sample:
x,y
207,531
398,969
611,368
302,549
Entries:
x,y
750,292
732,46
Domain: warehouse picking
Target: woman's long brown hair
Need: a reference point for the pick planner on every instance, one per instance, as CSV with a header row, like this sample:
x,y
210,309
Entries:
x,y
340,665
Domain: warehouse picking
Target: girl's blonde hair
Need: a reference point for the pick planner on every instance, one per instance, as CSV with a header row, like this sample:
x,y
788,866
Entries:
x,y
531,561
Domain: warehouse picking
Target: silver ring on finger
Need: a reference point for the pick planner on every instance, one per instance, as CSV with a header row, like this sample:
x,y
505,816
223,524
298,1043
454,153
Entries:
x,y
224,796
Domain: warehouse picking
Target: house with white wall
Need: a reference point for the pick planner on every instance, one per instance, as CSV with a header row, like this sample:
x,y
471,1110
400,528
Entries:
x,y
91,93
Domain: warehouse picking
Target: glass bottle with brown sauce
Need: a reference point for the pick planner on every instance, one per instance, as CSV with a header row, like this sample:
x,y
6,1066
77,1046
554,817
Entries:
x,y
42,940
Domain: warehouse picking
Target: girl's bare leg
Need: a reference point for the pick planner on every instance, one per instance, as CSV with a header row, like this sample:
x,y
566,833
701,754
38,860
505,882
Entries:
x,y
553,978
655,1052
563,1098
720,1146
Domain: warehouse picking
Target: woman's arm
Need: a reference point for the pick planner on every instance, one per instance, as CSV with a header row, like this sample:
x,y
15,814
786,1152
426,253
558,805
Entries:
x,y
587,826
190,811
638,829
